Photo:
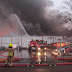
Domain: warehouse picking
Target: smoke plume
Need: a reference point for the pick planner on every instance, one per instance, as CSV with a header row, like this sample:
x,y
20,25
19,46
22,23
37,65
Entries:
x,y
35,15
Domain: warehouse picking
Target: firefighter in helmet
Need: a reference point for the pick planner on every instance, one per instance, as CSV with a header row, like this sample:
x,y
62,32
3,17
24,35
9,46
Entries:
x,y
10,54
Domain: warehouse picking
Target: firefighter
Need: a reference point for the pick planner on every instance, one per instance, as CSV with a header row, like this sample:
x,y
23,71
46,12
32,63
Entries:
x,y
32,39
65,51
10,54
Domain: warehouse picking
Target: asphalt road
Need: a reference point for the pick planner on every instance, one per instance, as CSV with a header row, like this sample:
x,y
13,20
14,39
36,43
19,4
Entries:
x,y
30,58
59,68
41,57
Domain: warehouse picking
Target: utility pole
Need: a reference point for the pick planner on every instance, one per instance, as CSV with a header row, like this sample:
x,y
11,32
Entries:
x,y
60,46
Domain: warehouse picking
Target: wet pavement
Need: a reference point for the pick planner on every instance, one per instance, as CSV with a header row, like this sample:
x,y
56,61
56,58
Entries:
x,y
39,57
60,68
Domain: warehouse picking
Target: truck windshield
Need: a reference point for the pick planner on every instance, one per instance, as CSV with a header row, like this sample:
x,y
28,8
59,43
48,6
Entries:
x,y
41,42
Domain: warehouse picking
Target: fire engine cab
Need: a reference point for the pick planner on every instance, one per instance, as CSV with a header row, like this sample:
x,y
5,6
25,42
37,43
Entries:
x,y
37,45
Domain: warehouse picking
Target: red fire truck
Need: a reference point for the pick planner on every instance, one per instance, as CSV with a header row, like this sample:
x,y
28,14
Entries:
x,y
37,45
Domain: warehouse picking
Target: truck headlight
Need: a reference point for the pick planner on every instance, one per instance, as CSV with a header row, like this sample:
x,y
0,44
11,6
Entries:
x,y
45,53
44,48
39,54
38,48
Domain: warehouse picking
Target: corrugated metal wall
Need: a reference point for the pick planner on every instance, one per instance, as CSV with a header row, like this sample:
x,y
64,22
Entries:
x,y
24,41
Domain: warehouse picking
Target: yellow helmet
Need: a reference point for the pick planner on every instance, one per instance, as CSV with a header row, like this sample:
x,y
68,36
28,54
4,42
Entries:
x,y
10,45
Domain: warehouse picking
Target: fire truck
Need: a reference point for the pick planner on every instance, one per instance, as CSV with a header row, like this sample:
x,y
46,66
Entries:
x,y
37,45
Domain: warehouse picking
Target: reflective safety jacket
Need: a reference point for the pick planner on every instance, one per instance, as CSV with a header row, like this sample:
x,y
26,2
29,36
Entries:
x,y
10,51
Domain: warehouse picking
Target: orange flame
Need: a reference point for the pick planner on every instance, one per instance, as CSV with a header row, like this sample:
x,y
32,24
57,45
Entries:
x,y
62,44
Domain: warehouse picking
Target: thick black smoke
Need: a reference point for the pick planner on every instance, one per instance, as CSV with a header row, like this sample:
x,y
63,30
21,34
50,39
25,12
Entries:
x,y
29,10
32,12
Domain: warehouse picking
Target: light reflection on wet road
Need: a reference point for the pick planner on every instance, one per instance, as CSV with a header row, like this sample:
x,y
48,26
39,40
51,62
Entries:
x,y
40,57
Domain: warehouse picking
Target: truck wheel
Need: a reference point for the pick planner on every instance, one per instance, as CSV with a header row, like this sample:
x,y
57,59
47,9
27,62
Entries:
x,y
29,49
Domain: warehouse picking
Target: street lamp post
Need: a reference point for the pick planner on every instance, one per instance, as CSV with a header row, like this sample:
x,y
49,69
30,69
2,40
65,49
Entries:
x,y
60,46
18,48
57,46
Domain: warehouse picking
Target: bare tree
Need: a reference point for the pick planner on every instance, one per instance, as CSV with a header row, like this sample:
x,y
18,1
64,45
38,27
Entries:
x,y
67,15
68,10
